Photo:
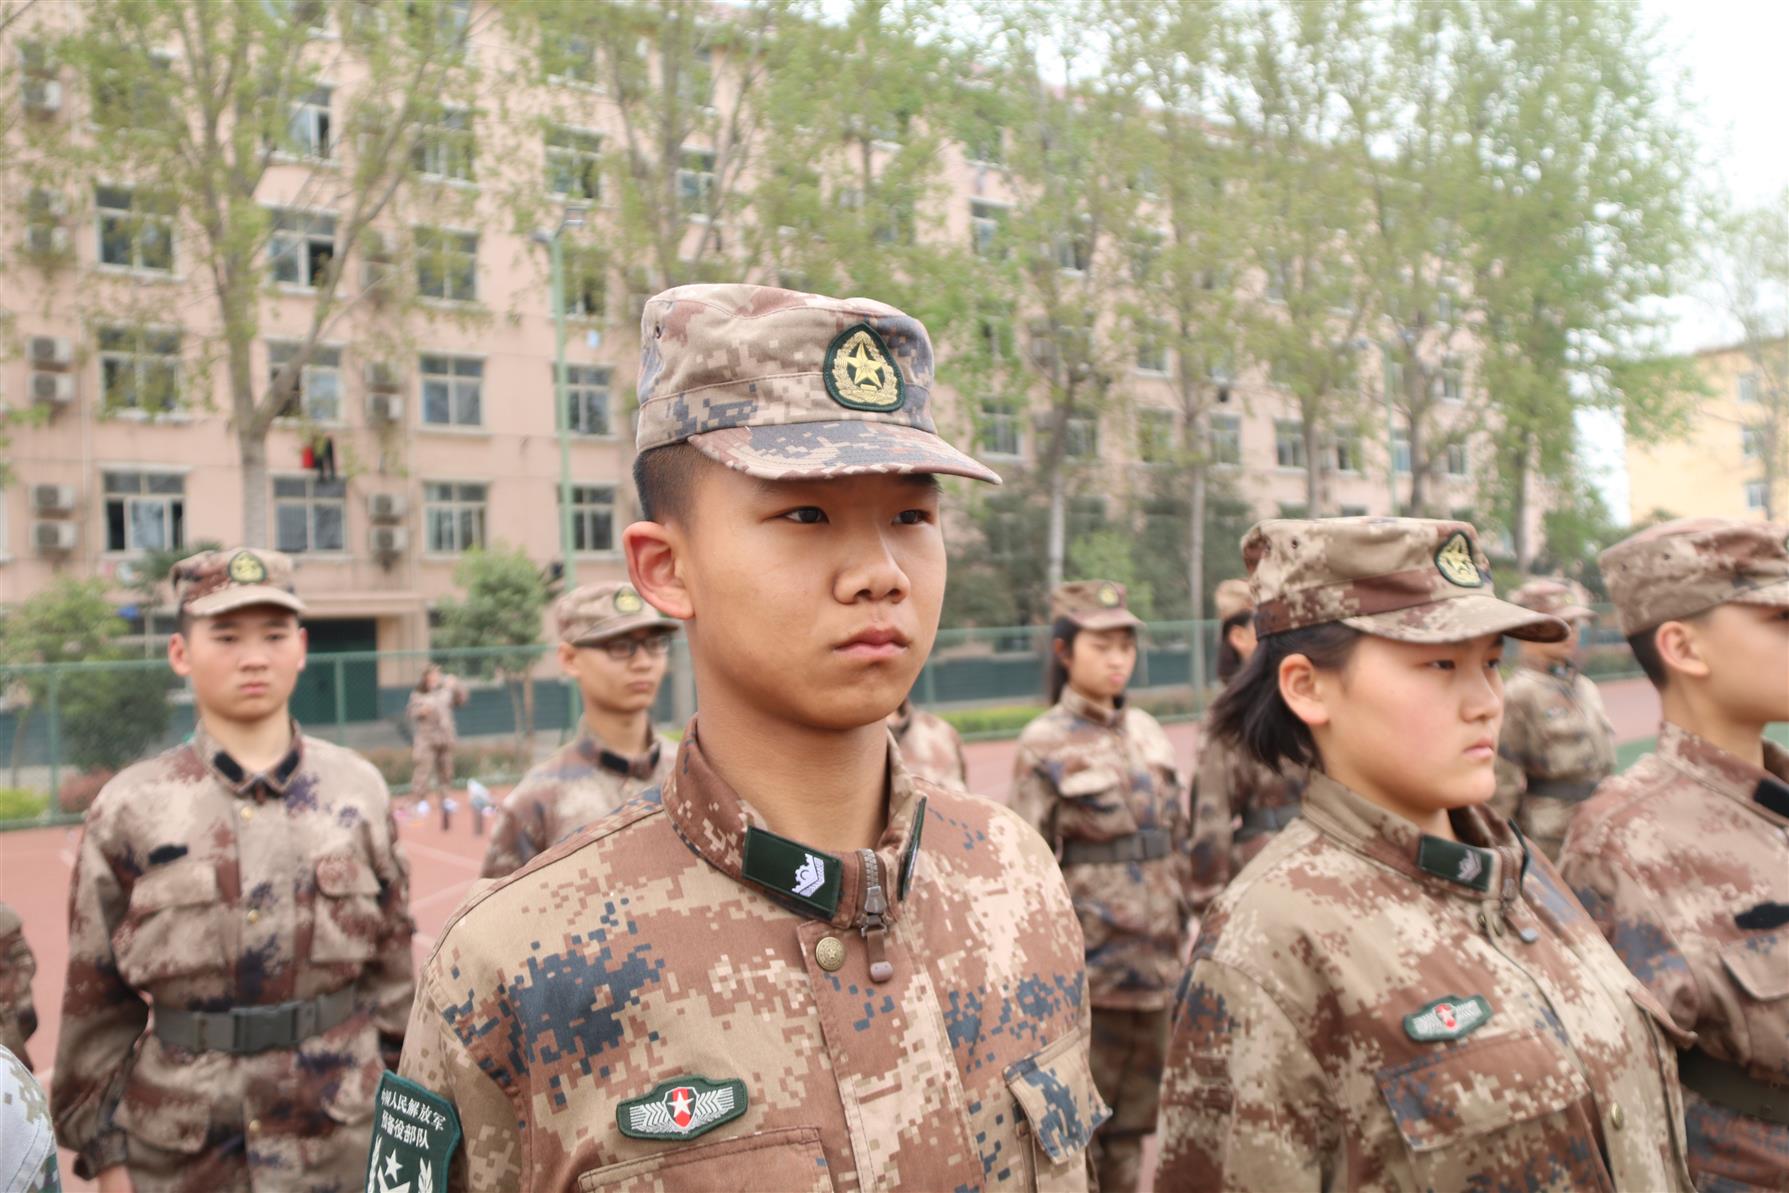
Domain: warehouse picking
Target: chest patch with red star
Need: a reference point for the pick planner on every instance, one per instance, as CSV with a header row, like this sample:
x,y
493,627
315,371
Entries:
x,y
1448,1018
681,1108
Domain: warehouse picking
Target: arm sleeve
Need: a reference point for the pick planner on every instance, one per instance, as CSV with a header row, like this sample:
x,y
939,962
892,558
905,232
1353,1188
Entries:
x,y
1626,913
490,1155
391,980
1245,1105
102,1016
515,838
1513,754
1214,829
1034,798
18,1013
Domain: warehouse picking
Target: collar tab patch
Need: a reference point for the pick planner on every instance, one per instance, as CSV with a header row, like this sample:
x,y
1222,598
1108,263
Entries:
x,y
911,857
860,373
810,877
1773,793
415,1133
1448,1018
681,1108
1467,865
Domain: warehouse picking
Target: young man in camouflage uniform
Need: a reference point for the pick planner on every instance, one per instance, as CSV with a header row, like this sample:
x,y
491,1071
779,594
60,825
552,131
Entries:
x,y
18,1011
616,646
1683,860
433,732
1557,743
1098,780
239,968
798,966
1397,995
930,746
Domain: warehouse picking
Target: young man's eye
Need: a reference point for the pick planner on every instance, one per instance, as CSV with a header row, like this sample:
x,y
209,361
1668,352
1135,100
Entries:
x,y
913,517
807,515
1442,664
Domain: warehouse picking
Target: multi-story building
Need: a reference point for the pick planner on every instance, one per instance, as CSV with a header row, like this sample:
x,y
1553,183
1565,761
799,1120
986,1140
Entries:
x,y
443,431
1717,466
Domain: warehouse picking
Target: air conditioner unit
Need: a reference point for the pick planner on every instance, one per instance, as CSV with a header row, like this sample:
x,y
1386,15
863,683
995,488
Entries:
x,y
52,389
53,499
385,507
52,351
388,542
54,538
384,408
46,240
43,205
381,377
43,97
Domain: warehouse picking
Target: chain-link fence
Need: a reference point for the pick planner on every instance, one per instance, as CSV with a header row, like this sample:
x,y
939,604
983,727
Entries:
x,y
65,729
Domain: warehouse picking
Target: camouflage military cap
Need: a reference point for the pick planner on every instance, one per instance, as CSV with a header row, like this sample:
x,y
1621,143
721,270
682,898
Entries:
x,y
215,582
1564,599
1093,605
1690,565
592,613
784,386
1232,597
1409,579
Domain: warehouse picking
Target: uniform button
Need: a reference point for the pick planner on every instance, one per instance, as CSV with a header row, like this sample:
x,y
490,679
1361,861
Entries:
x,y
254,1126
830,953
248,813
254,917
1617,1116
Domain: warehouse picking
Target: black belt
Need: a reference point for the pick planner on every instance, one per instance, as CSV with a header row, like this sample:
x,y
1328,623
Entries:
x,y
1732,1087
1145,845
253,1029
1256,821
1572,791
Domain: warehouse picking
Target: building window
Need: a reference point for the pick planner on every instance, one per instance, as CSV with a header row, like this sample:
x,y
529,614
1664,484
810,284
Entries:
x,y
454,516
1451,384
1001,432
587,400
1756,492
569,57
1455,462
1276,279
453,391
1086,515
301,247
309,514
987,229
318,395
1748,389
1226,440
1751,442
1155,436
145,101
1345,452
447,265
1354,511
1392,370
136,231
695,79
444,146
307,135
1152,348
1400,450
139,370
1074,247
574,163
145,511
1294,509
695,181
1288,443
995,329
984,142
592,518
586,283
1081,437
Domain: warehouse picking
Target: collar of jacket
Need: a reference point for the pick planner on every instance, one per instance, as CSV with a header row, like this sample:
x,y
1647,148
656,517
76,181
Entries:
x,y
633,766
724,829
1732,777
901,719
1486,863
1077,705
233,775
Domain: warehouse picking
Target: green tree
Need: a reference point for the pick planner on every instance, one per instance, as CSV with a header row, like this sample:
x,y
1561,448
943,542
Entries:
x,y
148,580
501,611
70,621
113,717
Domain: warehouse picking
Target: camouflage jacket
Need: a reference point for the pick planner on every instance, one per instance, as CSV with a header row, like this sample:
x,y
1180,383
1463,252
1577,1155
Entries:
x,y
1554,731
678,949
201,888
1667,857
930,746
27,1145
1371,1008
430,713
1085,773
1238,806
18,1013
581,782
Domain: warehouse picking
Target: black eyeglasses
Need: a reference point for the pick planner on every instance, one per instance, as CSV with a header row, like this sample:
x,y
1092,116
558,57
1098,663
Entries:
x,y
622,649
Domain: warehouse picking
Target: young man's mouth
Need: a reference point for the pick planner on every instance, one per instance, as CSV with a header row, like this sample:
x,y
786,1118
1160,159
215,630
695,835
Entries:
x,y
875,643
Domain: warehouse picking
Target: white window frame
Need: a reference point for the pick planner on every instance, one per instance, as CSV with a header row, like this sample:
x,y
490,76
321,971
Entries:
x,y
1456,463
1225,430
579,152
696,182
173,520
461,379
1751,442
1401,459
1001,423
1161,433
1152,349
588,512
1747,389
323,371
987,226
1080,437
142,364
131,221
456,252
586,387
446,146
311,501
458,506
1450,383
310,129
298,236
580,266
1288,439
1756,493
1345,453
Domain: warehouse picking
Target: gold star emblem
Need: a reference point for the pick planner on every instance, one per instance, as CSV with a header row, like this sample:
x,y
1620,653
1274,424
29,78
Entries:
x,y
860,373
628,601
1456,562
247,569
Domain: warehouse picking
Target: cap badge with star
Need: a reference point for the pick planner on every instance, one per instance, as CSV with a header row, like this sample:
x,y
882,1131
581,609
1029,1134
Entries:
x,y
1107,596
246,568
1456,562
628,601
859,372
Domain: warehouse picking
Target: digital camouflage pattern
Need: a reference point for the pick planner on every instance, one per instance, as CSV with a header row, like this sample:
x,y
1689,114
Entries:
x,y
780,384
27,1144
1408,579
18,1010
1556,745
1564,599
200,887
1094,605
649,957
592,613
930,746
214,582
1232,597
1239,803
582,782
1329,1035
1684,567
433,734
1666,857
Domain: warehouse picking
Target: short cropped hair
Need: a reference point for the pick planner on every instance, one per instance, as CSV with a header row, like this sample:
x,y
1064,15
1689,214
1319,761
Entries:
x,y
664,478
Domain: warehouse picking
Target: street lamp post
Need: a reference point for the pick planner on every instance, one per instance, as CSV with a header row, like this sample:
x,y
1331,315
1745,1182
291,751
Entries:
x,y
555,242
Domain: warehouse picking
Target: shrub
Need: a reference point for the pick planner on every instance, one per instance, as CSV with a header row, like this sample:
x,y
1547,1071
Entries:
x,y
18,804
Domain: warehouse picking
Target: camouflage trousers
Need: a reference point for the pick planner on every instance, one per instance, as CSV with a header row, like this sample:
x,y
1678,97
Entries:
x,y
431,770
1129,1049
334,1162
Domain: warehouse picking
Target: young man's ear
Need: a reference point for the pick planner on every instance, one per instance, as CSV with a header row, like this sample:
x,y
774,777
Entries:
x,y
1300,689
655,567
1680,649
178,659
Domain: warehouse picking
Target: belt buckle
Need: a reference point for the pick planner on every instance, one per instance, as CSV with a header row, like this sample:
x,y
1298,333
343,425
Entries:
x,y
259,1028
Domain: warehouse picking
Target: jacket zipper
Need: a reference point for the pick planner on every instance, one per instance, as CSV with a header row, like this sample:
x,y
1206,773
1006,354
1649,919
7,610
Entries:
x,y
870,923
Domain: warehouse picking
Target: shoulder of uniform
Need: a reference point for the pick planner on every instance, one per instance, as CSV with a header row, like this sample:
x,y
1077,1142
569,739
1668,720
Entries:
x,y
176,764
989,827
1045,729
318,751
1635,796
1262,891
